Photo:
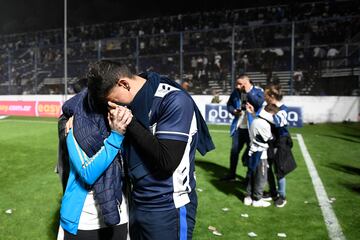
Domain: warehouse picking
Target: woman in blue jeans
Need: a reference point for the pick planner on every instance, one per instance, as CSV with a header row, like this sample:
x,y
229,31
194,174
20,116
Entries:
x,y
279,153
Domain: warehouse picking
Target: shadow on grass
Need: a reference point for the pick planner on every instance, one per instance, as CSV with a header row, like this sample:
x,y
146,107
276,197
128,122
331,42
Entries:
x,y
54,224
352,126
353,135
353,187
350,131
345,168
216,171
349,170
348,139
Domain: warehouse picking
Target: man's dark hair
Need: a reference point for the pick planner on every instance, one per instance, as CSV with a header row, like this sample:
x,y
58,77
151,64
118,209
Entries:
x,y
102,77
242,75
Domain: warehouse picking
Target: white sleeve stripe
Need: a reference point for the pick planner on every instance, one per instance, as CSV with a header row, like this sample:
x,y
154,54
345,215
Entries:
x,y
85,160
175,133
281,118
283,115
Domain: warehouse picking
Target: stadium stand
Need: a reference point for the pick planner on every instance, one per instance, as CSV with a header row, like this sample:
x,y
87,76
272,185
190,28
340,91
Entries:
x,y
310,48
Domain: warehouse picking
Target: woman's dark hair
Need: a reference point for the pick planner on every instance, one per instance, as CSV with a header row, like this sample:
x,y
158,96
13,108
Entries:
x,y
102,77
80,85
274,90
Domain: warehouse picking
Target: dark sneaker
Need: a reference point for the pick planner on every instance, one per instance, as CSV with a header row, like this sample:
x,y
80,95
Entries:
x,y
280,202
267,196
228,178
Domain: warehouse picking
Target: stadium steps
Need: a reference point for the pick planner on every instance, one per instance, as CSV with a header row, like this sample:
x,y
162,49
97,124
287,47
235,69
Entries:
x,y
341,72
40,76
259,79
312,87
223,87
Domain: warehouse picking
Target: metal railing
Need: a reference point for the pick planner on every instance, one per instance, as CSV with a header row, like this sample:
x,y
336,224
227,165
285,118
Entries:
x,y
209,59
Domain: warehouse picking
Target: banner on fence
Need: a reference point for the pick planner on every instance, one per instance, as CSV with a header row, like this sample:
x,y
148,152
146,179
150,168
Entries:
x,y
31,108
218,114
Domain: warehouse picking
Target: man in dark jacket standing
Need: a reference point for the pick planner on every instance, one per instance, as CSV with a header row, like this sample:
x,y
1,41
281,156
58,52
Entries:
x,y
244,92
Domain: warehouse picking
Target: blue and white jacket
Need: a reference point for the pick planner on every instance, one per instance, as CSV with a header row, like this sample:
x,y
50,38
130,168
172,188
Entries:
x,y
280,120
169,112
84,171
255,97
92,149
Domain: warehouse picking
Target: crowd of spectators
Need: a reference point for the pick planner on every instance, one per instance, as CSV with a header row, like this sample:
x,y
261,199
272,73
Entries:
x,y
260,38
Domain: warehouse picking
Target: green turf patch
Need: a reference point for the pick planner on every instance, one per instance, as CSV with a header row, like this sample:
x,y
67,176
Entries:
x,y
32,190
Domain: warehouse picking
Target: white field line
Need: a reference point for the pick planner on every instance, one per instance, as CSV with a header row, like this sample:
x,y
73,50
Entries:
x,y
26,121
220,131
332,224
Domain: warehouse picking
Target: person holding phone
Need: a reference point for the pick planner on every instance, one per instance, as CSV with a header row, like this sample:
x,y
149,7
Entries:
x,y
244,92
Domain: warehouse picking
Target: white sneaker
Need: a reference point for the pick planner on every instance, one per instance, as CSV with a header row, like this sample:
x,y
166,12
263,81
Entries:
x,y
247,201
267,196
260,203
267,199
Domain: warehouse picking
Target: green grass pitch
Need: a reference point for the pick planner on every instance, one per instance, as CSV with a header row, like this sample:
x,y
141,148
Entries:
x,y
31,189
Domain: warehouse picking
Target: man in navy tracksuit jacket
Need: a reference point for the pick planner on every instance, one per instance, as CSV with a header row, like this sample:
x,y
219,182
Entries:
x,y
159,148
244,92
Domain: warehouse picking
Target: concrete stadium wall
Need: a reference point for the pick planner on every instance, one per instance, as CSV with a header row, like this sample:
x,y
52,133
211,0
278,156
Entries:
x,y
314,109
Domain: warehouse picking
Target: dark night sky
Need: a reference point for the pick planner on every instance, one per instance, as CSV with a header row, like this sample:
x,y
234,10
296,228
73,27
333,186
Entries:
x,y
32,15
